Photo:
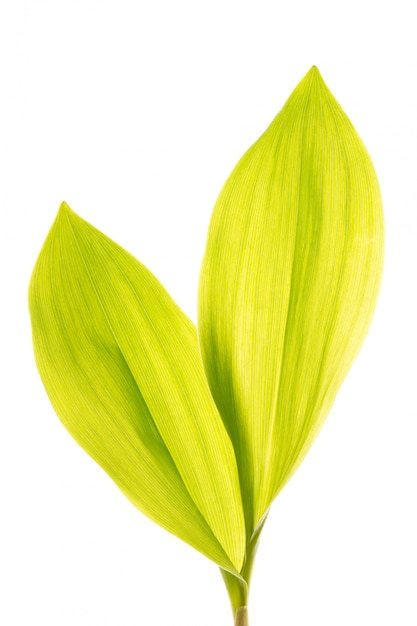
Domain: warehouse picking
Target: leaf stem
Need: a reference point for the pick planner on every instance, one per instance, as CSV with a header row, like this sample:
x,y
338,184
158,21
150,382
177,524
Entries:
x,y
238,587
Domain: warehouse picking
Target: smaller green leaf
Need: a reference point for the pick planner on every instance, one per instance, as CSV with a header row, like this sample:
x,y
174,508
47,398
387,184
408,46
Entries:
x,y
121,365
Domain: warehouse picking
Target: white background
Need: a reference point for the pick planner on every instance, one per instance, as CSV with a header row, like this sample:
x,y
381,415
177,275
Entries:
x,y
135,113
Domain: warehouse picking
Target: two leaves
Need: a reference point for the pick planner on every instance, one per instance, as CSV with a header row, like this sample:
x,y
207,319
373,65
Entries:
x,y
202,442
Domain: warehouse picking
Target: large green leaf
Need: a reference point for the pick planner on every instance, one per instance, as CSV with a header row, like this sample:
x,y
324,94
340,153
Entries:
x,y
121,365
288,285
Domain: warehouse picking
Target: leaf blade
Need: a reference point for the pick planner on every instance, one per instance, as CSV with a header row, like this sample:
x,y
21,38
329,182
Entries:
x,y
288,284
104,328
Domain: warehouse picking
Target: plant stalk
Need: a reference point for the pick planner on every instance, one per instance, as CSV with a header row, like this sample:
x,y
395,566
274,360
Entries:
x,y
241,616
238,587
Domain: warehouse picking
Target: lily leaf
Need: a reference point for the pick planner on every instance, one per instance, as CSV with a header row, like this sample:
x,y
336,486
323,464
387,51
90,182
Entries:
x,y
288,285
121,365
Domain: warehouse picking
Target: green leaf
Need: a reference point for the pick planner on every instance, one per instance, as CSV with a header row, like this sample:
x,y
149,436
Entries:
x,y
121,365
288,285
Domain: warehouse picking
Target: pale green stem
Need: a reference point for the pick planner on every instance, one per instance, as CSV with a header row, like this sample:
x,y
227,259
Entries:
x,y
238,588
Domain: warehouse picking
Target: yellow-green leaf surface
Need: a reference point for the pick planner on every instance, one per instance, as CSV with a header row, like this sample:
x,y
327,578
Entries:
x,y
121,365
288,285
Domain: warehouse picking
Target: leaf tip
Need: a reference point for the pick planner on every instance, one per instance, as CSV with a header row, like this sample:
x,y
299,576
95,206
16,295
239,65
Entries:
x,y
314,74
64,208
